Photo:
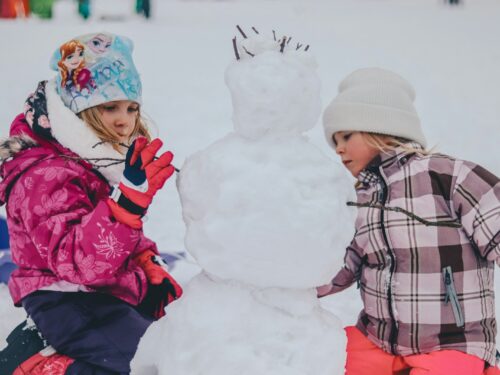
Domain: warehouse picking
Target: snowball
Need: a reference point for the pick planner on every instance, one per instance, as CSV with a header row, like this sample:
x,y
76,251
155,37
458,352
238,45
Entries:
x,y
274,92
267,212
222,327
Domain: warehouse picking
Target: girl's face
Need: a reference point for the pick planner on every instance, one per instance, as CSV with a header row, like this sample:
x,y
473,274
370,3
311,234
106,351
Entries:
x,y
354,151
74,59
120,116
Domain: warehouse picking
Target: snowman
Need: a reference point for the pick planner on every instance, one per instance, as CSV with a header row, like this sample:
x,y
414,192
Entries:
x,y
263,209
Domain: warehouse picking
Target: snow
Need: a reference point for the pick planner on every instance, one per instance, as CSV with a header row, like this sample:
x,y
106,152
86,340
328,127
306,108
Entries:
x,y
261,207
227,327
450,55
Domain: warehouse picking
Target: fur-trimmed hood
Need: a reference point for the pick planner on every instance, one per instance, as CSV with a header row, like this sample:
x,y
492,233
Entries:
x,y
48,128
9,147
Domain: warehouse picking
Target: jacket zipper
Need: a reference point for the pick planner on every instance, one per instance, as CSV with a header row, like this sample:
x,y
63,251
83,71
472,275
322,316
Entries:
x,y
451,295
394,326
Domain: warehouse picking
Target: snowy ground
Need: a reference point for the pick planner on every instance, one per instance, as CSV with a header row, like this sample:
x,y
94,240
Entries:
x,y
451,56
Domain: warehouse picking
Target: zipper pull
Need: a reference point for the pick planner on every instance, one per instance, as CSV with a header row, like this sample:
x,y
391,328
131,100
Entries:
x,y
447,282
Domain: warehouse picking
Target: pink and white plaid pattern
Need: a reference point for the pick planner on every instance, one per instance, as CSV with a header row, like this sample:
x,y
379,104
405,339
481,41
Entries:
x,y
402,265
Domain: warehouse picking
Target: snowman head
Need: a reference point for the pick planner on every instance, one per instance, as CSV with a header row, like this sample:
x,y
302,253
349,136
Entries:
x,y
274,86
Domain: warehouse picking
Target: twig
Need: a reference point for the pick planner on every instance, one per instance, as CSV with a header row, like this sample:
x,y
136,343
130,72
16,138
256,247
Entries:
x,y
254,29
235,49
307,47
282,46
289,39
274,35
113,160
250,53
298,46
241,31
444,223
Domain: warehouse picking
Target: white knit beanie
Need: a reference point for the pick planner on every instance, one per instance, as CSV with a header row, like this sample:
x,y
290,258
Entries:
x,y
377,101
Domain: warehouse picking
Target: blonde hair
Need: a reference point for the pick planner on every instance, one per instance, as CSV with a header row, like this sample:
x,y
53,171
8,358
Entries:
x,y
387,143
92,117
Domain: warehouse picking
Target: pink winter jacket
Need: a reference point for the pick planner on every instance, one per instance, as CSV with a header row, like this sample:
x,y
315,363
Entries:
x,y
62,233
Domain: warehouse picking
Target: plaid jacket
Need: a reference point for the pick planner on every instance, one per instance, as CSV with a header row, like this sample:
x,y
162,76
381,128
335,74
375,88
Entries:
x,y
427,236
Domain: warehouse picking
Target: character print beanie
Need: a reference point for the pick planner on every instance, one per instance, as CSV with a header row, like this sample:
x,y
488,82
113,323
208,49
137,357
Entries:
x,y
94,69
377,101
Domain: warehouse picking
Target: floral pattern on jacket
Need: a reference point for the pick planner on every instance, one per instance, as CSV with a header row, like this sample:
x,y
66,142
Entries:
x,y
61,229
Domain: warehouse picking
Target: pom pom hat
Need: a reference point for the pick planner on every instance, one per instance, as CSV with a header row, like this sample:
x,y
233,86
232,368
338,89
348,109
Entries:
x,y
377,101
94,69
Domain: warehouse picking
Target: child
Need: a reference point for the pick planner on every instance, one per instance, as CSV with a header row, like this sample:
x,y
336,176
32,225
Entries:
x,y
427,236
87,276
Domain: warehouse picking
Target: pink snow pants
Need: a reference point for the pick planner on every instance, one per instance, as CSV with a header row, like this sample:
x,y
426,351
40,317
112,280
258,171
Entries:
x,y
364,358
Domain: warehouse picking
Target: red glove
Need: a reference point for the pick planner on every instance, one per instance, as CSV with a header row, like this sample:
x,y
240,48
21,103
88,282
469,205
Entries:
x,y
142,178
162,287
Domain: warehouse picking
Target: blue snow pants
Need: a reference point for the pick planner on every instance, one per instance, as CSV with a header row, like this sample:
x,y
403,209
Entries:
x,y
99,331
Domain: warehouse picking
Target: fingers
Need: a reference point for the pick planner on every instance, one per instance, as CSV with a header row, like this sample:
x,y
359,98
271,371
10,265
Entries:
x,y
149,152
136,148
163,161
158,180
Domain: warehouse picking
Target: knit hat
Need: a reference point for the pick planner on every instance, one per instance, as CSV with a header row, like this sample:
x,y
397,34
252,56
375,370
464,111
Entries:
x,y
377,101
94,69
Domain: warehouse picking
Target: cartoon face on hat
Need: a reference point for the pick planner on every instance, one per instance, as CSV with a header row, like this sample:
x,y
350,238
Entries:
x,y
94,69
99,43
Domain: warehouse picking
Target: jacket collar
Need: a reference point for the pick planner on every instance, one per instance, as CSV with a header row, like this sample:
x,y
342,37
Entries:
x,y
389,162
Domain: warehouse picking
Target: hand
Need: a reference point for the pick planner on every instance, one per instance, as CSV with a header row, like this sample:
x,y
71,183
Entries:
x,y
142,178
162,287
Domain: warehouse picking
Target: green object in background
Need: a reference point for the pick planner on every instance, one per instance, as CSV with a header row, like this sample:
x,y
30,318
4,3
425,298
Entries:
x,y
42,8
84,8
143,7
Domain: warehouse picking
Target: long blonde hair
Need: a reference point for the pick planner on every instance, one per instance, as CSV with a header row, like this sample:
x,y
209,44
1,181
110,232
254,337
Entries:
x,y
92,117
387,143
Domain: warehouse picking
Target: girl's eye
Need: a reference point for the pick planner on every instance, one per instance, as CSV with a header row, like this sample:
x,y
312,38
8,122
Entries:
x,y
347,136
108,107
133,109
69,57
81,53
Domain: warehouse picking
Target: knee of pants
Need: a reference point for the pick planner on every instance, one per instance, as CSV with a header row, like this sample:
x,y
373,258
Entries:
x,y
445,362
363,356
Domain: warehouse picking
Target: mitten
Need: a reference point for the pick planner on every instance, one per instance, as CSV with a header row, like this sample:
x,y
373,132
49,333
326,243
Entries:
x,y
162,287
142,178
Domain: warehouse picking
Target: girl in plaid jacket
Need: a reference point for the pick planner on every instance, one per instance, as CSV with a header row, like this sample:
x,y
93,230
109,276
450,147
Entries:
x,y
427,236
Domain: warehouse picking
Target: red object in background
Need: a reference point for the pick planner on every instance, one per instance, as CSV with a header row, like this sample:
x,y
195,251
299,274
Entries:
x,y
14,8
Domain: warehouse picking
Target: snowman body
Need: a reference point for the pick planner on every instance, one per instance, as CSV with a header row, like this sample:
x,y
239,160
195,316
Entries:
x,y
263,209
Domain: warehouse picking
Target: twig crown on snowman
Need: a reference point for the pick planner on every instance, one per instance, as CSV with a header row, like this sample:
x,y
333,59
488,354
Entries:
x,y
257,44
274,86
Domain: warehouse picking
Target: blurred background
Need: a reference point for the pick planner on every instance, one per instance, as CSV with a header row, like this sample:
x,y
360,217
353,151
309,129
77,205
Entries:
x,y
448,49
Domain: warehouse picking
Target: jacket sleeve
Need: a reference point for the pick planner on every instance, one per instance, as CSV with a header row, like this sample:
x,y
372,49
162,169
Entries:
x,y
80,241
348,275
476,201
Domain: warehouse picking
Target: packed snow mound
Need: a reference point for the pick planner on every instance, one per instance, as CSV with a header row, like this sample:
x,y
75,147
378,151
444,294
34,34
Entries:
x,y
273,92
225,326
267,212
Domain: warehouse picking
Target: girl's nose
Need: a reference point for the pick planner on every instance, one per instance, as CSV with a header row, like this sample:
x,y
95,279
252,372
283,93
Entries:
x,y
121,118
339,149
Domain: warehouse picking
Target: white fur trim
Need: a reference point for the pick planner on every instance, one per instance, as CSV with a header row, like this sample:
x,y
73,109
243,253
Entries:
x,y
73,133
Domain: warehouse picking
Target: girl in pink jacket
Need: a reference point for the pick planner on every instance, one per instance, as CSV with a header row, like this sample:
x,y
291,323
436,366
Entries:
x,y
78,173
426,241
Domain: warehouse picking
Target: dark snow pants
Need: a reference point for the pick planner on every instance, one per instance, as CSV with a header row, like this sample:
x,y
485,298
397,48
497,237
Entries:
x,y
99,331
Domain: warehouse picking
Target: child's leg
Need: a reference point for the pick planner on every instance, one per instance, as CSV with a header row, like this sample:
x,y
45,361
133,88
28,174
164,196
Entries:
x,y
99,331
364,357
445,362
